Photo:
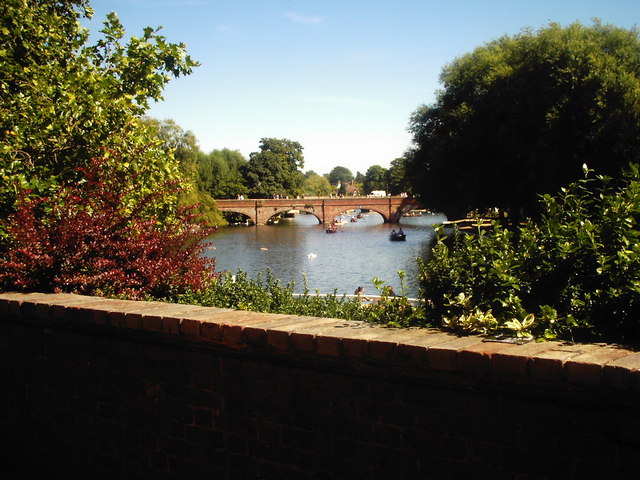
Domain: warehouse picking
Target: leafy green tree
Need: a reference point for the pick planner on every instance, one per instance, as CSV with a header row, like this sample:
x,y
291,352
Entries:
x,y
397,177
88,191
183,146
375,179
317,186
520,115
275,169
220,173
340,174
64,101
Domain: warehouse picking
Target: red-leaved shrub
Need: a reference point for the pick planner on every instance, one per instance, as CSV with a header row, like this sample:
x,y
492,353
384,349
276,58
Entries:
x,y
93,239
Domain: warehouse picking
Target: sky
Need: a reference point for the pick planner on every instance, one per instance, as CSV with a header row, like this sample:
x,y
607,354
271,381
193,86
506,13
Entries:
x,y
341,77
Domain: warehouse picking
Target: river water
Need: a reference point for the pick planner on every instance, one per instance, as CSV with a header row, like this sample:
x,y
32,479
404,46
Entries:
x,y
352,257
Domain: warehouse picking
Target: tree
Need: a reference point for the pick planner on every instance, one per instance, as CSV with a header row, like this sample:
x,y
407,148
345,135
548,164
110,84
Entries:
x,y
397,177
88,191
219,173
340,175
317,186
183,147
520,115
375,179
275,169
64,101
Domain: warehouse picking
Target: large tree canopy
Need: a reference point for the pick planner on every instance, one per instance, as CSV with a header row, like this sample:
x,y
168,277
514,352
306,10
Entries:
x,y
275,169
63,100
375,179
340,175
520,115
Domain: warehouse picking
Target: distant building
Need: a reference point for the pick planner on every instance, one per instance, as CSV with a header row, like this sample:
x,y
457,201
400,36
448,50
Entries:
x,y
349,188
352,188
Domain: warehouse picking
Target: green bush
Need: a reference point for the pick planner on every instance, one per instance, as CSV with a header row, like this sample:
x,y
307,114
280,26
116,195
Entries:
x,y
574,274
269,295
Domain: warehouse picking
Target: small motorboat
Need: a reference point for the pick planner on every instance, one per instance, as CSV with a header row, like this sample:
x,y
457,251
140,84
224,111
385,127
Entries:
x,y
331,229
397,236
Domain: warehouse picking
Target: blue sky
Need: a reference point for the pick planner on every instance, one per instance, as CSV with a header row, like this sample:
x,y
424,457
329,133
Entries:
x,y
341,77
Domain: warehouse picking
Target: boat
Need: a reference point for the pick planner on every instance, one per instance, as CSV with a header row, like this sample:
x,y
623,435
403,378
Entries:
x,y
397,237
331,229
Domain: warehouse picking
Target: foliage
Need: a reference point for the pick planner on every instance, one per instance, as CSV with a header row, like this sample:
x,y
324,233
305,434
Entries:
x,y
575,273
63,99
275,169
269,295
397,178
89,240
183,147
375,179
340,175
519,115
219,173
317,186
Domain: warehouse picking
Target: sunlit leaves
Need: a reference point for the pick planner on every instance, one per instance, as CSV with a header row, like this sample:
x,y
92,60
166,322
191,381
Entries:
x,y
575,272
62,100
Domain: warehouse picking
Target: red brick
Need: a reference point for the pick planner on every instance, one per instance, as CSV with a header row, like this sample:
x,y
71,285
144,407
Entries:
x,y
190,328
387,344
355,347
618,373
479,358
587,368
445,356
211,331
515,362
278,339
549,364
171,325
255,336
329,346
302,342
133,321
232,335
152,323
117,319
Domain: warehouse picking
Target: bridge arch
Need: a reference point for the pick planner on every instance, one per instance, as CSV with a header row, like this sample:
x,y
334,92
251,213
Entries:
x,y
245,215
300,209
384,216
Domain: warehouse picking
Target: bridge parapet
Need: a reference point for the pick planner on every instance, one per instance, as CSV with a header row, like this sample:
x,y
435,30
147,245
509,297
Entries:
x,y
324,208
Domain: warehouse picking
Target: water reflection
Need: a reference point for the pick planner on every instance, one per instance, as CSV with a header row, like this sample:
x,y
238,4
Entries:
x,y
343,261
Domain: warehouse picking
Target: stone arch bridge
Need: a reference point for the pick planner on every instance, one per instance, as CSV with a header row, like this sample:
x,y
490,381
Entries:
x,y
324,208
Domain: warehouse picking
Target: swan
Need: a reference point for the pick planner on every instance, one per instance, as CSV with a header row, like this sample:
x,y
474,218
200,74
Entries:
x,y
312,255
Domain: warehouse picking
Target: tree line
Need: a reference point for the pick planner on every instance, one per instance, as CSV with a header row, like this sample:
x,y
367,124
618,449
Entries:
x,y
275,170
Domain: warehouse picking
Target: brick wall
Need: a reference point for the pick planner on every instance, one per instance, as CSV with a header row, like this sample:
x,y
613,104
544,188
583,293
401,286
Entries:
x,y
97,388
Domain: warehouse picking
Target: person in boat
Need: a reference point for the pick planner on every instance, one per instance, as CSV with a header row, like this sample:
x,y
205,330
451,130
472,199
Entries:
x,y
359,291
393,232
400,232
390,292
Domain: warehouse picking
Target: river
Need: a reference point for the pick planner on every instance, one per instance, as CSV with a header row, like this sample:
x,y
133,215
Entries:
x,y
344,260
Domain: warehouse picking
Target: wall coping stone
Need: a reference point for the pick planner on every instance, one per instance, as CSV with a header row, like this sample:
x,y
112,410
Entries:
x,y
588,365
